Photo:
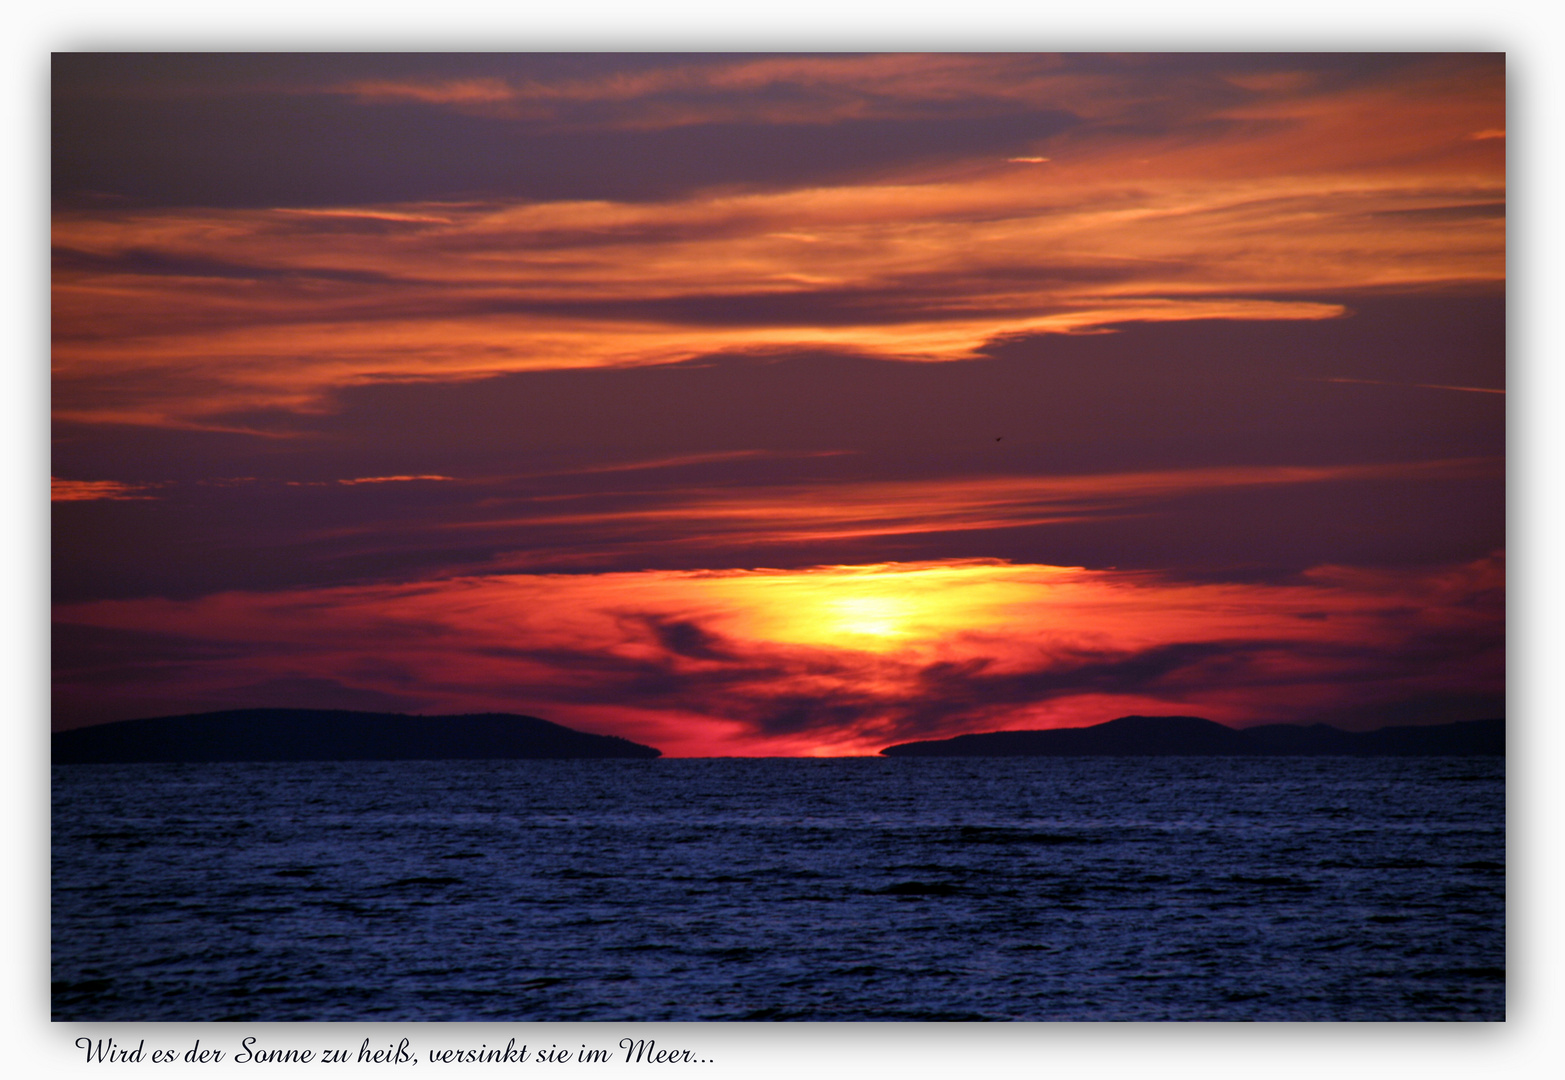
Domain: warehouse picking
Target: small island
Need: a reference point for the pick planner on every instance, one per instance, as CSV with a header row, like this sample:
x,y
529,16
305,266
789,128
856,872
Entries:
x,y
1193,736
333,735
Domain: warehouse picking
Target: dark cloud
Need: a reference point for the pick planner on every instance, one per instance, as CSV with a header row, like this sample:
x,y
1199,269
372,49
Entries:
x,y
923,298
1401,664
275,340
925,301
138,261
537,459
308,692
1179,394
263,150
286,130
103,653
954,695
1436,215
756,685
106,673
683,637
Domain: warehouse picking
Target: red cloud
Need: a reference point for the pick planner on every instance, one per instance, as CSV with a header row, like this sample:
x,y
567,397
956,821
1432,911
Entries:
x,y
831,660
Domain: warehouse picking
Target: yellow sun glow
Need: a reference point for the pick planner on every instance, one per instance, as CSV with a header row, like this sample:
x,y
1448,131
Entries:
x,y
878,616
873,608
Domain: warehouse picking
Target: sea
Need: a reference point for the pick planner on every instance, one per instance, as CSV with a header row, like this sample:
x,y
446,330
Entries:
x,y
849,889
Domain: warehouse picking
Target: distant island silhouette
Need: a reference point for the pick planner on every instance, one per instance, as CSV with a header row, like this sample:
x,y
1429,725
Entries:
x,y
334,735
1145,736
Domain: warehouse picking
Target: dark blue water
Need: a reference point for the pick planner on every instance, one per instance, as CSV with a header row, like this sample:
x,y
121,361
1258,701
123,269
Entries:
x,y
858,889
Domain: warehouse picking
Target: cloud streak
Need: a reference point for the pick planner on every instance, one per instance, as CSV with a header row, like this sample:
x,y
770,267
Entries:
x,y
824,511
1419,386
1240,197
88,490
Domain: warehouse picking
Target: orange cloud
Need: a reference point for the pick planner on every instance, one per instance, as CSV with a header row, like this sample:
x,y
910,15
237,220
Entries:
x,y
1107,191
833,660
87,490
392,479
814,90
447,92
820,512
1249,203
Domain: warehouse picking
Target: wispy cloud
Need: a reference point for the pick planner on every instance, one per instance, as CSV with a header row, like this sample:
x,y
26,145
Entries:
x,y
87,490
823,512
1240,195
1419,386
393,479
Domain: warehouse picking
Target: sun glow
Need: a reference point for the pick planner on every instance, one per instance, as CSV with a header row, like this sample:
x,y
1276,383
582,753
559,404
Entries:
x,y
608,390
878,608
833,659
874,616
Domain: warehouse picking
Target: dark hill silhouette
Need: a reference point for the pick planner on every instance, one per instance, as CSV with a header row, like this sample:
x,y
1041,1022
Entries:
x,y
334,735
1134,736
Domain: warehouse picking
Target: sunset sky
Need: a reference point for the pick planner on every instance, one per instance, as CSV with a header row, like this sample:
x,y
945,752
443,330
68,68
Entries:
x,y
780,405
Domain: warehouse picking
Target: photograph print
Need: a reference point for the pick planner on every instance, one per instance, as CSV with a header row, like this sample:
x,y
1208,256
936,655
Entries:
x,y
759,537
